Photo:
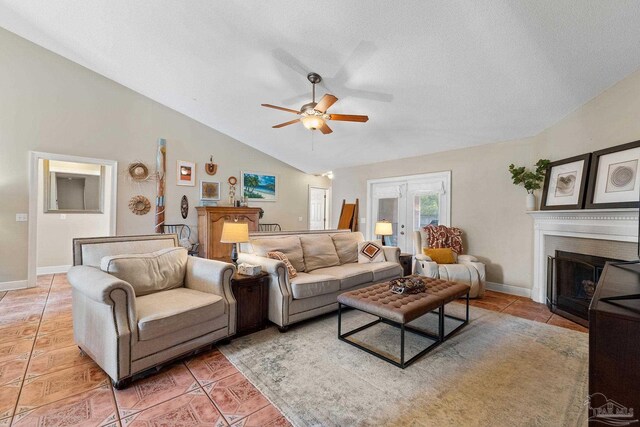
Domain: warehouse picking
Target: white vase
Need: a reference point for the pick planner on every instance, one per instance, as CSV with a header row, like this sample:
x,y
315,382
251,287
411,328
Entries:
x,y
531,202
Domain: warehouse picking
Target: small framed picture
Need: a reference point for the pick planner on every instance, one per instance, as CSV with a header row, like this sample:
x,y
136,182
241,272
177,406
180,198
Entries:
x,y
186,173
259,187
565,183
209,191
614,179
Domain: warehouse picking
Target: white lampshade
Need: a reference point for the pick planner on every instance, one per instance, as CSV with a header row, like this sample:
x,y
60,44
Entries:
x,y
383,228
235,232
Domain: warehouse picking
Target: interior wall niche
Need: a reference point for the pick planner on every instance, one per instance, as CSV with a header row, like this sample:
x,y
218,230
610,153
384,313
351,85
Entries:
x,y
71,187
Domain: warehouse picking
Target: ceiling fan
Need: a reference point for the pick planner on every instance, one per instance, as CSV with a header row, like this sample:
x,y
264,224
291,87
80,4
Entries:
x,y
314,115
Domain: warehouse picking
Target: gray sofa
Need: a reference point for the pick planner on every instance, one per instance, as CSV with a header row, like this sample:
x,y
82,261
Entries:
x,y
140,301
327,266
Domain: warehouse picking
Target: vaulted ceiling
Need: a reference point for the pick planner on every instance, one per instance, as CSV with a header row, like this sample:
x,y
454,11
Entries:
x,y
431,75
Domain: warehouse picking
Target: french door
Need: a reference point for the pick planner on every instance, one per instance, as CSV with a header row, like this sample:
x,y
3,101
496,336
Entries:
x,y
409,203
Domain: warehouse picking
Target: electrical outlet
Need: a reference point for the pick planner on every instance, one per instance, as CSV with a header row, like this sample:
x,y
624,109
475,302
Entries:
x,y
63,216
22,217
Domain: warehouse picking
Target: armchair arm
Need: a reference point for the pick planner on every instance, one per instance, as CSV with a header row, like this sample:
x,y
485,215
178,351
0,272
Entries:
x,y
280,294
211,276
423,257
392,253
467,258
98,285
104,318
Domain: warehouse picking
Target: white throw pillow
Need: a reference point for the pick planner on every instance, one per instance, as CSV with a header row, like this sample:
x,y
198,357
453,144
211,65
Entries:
x,y
370,252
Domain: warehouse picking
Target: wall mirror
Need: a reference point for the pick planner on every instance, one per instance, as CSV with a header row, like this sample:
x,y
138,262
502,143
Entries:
x,y
71,187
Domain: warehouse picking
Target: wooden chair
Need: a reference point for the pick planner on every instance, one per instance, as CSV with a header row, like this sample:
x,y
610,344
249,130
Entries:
x,y
269,227
184,234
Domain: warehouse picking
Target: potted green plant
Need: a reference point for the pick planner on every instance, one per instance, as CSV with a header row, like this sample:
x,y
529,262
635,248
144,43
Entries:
x,y
530,180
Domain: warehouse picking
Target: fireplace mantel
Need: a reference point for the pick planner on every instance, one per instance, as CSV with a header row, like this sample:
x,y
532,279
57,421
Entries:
x,y
605,224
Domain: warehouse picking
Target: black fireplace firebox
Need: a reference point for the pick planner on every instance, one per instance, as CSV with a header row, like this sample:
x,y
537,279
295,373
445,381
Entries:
x,y
571,282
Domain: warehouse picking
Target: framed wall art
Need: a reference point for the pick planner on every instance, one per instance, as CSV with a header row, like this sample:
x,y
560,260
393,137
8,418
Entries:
x,y
614,177
565,183
259,187
186,173
209,191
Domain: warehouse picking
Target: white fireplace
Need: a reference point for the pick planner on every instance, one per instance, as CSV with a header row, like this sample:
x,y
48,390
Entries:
x,y
614,225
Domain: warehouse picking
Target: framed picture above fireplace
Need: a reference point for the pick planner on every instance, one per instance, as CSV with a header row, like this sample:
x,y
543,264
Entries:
x,y
565,183
614,177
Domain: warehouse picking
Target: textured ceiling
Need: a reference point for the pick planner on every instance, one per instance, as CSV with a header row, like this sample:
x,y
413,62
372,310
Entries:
x,y
431,75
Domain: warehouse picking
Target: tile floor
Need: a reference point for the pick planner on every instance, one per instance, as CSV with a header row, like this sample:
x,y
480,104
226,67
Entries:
x,y
44,380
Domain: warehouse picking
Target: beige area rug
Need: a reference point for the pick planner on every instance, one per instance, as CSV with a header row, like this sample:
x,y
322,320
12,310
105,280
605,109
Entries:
x,y
499,370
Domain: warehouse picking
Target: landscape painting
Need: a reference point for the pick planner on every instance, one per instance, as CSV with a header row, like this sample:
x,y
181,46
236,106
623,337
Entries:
x,y
259,187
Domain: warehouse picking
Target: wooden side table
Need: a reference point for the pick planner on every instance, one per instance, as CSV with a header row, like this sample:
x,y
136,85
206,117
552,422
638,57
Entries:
x,y
252,296
406,261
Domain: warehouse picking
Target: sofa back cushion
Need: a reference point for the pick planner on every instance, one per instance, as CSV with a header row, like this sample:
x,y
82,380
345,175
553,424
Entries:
x,y
288,245
319,251
151,272
346,245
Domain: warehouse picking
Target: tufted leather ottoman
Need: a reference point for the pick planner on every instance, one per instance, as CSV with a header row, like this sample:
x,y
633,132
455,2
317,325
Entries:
x,y
400,309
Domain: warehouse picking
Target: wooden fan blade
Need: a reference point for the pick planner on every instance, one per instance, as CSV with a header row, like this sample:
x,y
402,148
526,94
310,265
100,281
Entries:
x,y
349,118
289,110
281,125
326,102
325,129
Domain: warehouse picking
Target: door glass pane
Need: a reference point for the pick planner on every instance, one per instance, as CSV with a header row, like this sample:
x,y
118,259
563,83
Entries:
x,y
426,210
388,210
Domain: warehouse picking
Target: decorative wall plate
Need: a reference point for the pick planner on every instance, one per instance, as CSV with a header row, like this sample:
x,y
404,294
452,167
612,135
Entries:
x,y
232,180
139,205
138,171
184,207
210,168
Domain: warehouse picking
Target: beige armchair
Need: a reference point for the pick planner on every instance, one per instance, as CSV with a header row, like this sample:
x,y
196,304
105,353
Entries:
x,y
467,268
140,301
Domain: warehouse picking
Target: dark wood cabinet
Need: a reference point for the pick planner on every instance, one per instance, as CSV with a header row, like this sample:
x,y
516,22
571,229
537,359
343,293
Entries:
x,y
406,261
614,343
210,221
252,296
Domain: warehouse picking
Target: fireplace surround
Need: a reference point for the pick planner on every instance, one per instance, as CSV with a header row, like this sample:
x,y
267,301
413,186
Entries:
x,y
593,225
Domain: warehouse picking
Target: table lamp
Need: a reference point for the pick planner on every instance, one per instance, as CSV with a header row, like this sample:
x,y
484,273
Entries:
x,y
383,228
234,233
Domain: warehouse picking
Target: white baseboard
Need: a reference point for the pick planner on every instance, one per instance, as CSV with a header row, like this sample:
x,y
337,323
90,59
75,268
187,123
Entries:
x,y
53,269
509,289
9,286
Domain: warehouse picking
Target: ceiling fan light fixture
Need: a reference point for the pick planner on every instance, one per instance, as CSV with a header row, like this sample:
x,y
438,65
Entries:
x,y
313,122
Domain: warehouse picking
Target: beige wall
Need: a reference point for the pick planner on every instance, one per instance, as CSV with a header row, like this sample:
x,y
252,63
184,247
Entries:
x,y
52,105
485,204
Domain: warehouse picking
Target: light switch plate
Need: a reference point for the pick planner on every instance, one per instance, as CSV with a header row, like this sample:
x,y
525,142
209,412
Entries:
x,y
63,216
22,217
363,220
300,219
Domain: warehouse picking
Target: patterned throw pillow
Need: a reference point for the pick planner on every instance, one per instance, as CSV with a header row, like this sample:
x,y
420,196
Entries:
x,y
370,252
282,257
441,236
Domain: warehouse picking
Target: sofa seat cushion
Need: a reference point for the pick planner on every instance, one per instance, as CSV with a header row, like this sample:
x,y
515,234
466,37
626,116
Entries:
x,y
149,273
178,309
385,270
288,245
319,251
307,285
350,275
